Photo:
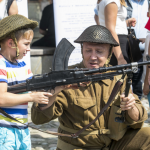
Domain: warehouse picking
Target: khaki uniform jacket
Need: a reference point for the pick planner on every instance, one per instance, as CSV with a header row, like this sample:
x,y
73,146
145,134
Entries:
x,y
77,108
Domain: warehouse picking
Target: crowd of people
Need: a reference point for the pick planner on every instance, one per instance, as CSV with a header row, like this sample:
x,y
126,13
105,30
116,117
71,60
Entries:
x,y
103,44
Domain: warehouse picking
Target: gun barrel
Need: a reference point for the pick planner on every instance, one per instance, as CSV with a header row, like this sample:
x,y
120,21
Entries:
x,y
118,67
51,80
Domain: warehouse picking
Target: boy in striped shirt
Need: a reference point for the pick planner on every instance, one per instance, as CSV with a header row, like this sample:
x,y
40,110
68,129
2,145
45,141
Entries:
x,y
15,38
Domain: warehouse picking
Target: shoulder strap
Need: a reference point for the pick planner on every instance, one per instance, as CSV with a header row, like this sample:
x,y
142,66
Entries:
x,y
49,132
115,90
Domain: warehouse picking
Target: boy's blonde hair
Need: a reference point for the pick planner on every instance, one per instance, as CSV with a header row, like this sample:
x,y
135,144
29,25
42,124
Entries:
x,y
23,33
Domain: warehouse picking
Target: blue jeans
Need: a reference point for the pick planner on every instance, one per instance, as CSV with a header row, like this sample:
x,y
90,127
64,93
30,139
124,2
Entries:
x,y
136,81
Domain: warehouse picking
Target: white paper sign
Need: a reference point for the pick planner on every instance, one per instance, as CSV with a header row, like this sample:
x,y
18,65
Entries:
x,y
71,18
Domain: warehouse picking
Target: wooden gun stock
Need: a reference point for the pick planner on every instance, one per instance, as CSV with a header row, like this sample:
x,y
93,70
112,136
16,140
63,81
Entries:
x,y
18,88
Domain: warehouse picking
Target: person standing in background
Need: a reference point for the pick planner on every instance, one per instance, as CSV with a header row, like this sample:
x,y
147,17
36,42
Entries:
x,y
7,8
138,10
47,28
112,15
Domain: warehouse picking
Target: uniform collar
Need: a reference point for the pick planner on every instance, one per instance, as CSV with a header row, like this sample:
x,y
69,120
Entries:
x,y
106,81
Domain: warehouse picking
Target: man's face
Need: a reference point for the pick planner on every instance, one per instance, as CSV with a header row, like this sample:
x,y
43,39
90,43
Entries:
x,y
95,55
24,46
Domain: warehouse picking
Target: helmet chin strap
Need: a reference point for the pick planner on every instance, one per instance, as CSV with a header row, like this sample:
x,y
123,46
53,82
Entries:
x,y
109,57
15,41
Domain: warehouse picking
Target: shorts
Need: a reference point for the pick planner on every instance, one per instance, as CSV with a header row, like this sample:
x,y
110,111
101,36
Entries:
x,y
14,139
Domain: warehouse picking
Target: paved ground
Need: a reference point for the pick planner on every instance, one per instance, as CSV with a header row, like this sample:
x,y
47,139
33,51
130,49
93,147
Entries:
x,y
43,141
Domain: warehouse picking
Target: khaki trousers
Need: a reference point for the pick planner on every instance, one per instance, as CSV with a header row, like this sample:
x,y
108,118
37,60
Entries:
x,y
134,139
138,139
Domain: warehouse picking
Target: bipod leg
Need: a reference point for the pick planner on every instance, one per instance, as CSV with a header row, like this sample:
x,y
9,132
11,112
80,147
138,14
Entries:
x,y
128,84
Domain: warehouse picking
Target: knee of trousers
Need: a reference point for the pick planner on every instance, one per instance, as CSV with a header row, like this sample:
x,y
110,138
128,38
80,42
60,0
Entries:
x,y
145,132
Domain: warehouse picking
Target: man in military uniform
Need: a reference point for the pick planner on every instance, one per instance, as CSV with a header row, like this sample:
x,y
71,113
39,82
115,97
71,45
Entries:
x,y
76,108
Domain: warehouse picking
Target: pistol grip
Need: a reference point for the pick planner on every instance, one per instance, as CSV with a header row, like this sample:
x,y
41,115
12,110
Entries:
x,y
42,105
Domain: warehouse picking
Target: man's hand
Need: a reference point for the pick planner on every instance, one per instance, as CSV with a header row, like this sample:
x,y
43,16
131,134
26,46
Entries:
x,y
51,98
127,103
75,86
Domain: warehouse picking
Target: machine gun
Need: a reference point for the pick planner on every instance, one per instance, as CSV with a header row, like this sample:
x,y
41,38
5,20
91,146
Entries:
x,y
58,78
61,75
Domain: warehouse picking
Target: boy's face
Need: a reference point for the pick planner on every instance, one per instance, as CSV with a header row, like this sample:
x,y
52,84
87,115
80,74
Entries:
x,y
24,46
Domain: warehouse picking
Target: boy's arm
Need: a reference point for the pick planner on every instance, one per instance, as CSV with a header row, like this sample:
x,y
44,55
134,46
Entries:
x,y
8,99
40,115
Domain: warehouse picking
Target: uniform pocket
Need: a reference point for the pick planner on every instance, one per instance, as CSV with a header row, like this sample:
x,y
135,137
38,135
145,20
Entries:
x,y
85,109
85,103
117,130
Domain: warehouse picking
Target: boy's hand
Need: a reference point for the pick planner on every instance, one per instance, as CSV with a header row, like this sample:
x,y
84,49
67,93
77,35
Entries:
x,y
40,97
127,103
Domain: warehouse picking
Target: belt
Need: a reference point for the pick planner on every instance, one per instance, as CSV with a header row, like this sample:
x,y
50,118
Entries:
x,y
100,131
